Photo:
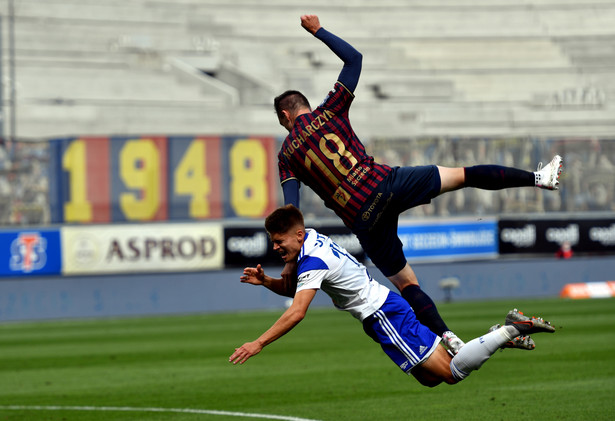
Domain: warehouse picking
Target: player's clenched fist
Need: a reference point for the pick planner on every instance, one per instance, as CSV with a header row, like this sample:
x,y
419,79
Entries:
x,y
310,23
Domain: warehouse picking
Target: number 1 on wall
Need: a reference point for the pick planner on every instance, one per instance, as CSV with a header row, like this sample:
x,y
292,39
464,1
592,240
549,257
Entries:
x,y
74,161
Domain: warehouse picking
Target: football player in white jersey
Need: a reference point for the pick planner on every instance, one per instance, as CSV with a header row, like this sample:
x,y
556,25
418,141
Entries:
x,y
386,316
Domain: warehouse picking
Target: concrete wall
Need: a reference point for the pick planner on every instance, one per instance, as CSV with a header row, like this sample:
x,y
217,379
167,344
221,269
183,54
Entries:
x,y
221,291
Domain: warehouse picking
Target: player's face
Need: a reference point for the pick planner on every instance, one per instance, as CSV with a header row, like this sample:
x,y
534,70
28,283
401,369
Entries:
x,y
288,244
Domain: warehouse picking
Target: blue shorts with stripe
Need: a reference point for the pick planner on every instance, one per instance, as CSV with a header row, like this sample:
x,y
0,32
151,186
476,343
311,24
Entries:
x,y
395,327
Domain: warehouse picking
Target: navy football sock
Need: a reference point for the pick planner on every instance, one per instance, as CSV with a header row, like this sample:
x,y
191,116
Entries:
x,y
425,309
497,177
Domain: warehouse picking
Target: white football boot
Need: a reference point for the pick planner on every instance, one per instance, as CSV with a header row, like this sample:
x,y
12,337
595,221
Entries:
x,y
547,177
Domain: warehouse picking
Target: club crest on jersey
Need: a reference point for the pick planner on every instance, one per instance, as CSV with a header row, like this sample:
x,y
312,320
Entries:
x,y
28,252
341,196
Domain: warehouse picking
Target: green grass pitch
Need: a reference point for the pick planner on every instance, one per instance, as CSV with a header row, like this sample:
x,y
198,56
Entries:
x,y
325,369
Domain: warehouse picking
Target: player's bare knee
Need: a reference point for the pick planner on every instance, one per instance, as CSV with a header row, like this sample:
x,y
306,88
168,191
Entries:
x,y
451,380
430,383
425,378
451,178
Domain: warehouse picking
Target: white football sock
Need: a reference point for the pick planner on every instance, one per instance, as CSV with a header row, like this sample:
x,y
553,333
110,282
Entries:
x,y
473,354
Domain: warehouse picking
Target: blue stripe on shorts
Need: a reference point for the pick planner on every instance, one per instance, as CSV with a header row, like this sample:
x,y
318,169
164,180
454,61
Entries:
x,y
395,327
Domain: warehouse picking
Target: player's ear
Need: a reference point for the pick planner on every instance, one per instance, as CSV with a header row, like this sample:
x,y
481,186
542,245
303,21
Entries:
x,y
286,116
300,235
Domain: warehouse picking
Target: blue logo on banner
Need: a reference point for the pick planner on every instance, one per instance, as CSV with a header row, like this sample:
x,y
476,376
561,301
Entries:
x,y
30,253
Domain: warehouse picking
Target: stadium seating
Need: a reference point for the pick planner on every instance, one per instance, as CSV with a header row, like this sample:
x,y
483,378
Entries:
x,y
440,61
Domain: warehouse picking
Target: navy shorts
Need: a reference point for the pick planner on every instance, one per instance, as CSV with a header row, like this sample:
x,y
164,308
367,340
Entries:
x,y
376,225
395,327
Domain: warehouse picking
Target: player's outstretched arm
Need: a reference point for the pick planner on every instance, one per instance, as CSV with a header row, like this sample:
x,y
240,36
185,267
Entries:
x,y
353,60
291,317
285,286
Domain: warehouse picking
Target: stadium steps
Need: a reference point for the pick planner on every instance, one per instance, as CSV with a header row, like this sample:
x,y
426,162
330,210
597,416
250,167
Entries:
x,y
435,67
113,85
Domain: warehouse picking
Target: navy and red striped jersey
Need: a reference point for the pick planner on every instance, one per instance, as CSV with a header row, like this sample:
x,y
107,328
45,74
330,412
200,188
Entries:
x,y
323,152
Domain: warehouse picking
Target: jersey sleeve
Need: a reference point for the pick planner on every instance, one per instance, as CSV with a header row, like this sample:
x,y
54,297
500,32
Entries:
x,y
352,59
338,100
311,272
285,172
290,189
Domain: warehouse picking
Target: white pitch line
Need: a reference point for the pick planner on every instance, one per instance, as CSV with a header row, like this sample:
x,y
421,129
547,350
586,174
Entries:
x,y
136,409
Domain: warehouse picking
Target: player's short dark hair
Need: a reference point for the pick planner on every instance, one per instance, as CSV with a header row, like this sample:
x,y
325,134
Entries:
x,y
290,101
283,219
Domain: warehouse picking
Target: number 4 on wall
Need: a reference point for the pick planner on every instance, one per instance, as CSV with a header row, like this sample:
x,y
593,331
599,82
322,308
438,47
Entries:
x,y
191,179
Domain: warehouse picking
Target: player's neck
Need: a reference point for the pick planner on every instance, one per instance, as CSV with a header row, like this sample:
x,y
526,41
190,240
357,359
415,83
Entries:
x,y
302,111
293,120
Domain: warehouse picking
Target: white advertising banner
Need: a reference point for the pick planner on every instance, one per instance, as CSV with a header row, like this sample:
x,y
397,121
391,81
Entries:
x,y
142,248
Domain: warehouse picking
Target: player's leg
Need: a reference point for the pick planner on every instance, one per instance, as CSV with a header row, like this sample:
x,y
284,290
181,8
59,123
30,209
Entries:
x,y
519,342
435,370
386,251
486,177
474,354
424,307
414,348
440,365
497,177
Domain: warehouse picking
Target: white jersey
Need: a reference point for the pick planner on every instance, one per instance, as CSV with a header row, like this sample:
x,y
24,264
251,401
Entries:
x,y
325,265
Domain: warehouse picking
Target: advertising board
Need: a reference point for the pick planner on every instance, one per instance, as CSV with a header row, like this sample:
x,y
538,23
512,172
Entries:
x,y
142,248
540,236
449,239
